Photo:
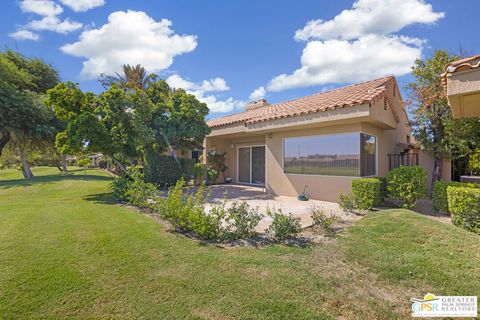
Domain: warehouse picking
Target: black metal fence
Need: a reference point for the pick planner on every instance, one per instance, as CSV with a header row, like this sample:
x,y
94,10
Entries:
x,y
396,160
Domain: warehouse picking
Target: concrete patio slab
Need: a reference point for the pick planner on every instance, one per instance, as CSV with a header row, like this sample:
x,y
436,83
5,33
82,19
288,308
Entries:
x,y
256,197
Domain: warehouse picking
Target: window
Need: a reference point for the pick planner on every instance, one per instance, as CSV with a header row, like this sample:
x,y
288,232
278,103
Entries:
x,y
349,154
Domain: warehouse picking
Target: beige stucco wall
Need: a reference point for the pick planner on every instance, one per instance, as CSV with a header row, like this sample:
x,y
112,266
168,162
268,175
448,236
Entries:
x,y
463,91
426,161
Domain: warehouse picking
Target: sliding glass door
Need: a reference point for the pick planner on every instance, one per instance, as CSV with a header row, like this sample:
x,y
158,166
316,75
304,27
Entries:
x,y
251,165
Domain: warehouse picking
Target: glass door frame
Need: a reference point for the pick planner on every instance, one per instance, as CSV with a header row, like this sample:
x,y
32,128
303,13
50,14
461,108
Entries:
x,y
251,166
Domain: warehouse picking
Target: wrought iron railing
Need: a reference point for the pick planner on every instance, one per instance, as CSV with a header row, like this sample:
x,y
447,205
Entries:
x,y
396,160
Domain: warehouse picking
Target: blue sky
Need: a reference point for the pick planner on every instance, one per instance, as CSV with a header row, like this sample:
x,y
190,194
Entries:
x,y
222,51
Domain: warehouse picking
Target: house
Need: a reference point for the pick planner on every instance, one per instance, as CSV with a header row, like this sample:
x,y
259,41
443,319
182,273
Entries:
x,y
321,141
461,80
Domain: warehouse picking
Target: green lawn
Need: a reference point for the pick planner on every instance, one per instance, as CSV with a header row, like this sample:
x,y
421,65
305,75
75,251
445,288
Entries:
x,y
68,252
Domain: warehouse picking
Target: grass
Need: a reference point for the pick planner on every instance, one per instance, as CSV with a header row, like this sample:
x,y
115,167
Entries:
x,y
67,251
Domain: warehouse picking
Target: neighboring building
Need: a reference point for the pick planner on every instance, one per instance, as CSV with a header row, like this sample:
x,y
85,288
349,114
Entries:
x,y
322,141
461,80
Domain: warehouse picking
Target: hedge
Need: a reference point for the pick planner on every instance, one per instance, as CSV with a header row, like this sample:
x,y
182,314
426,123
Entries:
x,y
464,205
366,193
166,170
407,184
439,197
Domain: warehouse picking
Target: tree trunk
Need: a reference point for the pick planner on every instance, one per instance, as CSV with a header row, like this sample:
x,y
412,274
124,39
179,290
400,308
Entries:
x,y
64,163
27,172
120,165
4,139
437,172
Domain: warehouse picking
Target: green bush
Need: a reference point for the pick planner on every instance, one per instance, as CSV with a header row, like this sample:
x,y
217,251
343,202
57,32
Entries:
x,y
186,212
464,205
407,184
366,193
166,170
139,192
199,170
84,162
212,175
324,221
439,197
241,221
346,203
131,187
284,226
120,185
383,189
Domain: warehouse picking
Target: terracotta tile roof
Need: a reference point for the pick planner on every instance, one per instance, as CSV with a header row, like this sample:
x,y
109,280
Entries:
x,y
355,94
460,65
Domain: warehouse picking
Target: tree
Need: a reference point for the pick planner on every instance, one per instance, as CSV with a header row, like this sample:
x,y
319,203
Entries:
x,y
95,123
432,117
128,123
133,78
25,121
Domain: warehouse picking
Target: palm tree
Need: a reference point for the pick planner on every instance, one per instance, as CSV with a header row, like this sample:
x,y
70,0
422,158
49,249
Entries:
x,y
134,77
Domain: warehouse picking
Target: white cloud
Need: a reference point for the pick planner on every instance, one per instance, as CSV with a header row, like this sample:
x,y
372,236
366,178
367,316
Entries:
x,y
257,94
202,91
359,44
49,10
82,5
366,58
53,23
46,8
217,84
25,35
130,37
379,17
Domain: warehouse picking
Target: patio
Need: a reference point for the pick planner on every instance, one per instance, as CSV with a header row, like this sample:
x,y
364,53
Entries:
x,y
257,197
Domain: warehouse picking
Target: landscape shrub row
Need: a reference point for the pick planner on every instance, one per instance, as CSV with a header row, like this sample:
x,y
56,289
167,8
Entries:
x,y
439,197
405,184
165,170
464,206
187,212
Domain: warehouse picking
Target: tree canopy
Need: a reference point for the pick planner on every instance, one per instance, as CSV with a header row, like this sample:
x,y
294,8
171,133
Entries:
x,y
433,125
126,122
25,121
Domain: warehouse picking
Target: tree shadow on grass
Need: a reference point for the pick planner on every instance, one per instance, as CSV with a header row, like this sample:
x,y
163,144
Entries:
x,y
103,198
47,179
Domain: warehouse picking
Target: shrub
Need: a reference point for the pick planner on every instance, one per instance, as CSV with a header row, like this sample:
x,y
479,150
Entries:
x,y
284,226
139,192
242,220
324,221
464,204
187,212
346,203
131,187
439,197
212,175
383,189
366,193
84,162
172,209
407,184
199,172
167,170
216,161
474,162
120,185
